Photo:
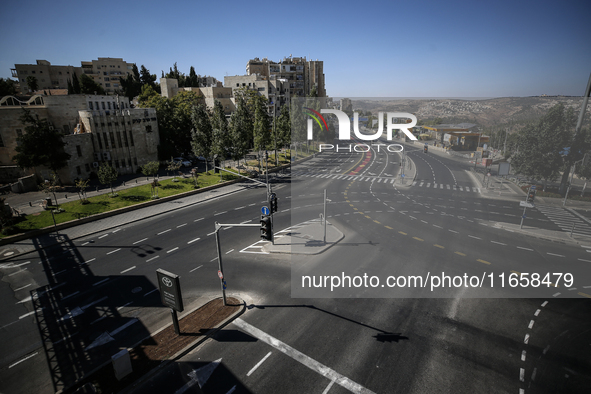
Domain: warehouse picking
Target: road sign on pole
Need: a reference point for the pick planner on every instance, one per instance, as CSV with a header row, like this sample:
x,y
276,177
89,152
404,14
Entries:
x,y
220,275
265,210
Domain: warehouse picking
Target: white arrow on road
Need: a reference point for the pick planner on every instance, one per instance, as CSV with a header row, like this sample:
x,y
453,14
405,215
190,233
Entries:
x,y
199,376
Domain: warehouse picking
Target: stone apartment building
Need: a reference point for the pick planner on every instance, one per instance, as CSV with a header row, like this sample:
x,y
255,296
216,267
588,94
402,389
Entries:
x,y
95,129
105,71
276,90
302,75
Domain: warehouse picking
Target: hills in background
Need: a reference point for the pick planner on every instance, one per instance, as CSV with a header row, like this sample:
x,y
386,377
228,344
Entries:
x,y
484,112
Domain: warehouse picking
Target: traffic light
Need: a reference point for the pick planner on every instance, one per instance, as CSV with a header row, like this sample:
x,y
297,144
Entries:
x,y
425,149
273,202
266,232
531,195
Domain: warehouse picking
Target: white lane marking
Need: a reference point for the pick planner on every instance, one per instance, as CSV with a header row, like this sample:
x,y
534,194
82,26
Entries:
x,y
214,259
196,220
526,339
240,208
99,282
437,226
114,231
24,287
523,353
453,231
27,314
70,295
113,251
219,213
150,292
194,240
519,247
181,225
211,234
103,236
20,265
85,243
314,365
127,270
537,312
258,364
327,389
172,250
531,324
522,374
246,221
556,295
472,236
498,243
231,390
230,251
141,240
196,268
165,231
61,272
553,254
123,327
20,361
153,258
18,272
545,303
250,205
123,306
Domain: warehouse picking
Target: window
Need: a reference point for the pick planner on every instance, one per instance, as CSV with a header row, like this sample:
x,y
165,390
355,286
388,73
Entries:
x,y
116,163
79,150
106,78
112,138
100,142
40,71
103,103
78,170
105,73
33,72
87,167
106,141
90,105
1,142
148,128
96,105
119,139
107,85
59,73
109,104
116,85
129,162
131,139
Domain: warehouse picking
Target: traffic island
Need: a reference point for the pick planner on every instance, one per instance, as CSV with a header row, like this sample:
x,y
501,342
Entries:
x,y
163,347
305,238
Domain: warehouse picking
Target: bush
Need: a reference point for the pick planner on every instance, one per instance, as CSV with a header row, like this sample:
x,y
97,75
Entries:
x,y
10,230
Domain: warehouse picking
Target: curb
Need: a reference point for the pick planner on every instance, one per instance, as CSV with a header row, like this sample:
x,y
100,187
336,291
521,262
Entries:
x,y
172,358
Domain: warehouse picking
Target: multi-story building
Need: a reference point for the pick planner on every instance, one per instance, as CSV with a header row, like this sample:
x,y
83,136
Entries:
x,y
302,75
170,88
276,90
95,129
106,72
48,76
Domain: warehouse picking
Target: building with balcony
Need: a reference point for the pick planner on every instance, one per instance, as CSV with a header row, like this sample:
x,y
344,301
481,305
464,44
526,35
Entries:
x,y
170,88
48,76
276,90
302,75
106,72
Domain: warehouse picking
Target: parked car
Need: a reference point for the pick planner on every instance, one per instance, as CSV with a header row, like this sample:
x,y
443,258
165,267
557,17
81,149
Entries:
x,y
184,162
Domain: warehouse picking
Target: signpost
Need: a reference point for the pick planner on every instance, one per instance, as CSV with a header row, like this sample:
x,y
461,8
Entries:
x,y
265,210
170,294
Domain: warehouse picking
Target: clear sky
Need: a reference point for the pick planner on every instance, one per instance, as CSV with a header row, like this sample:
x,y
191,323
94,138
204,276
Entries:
x,y
419,48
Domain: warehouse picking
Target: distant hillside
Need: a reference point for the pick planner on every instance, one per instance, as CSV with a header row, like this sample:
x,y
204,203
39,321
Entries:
x,y
488,112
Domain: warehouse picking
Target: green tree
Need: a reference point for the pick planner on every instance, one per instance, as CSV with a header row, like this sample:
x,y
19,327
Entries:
x,y
70,87
107,175
89,86
262,135
284,127
146,78
7,87
221,136
76,84
32,83
81,186
240,128
193,79
202,134
541,146
39,145
173,166
51,186
175,74
151,168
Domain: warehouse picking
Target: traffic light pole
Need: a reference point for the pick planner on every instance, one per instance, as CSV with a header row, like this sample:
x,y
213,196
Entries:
x,y
522,217
218,226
